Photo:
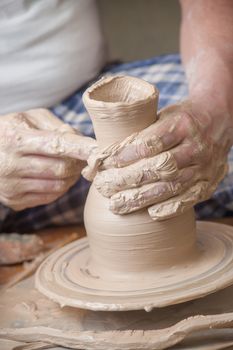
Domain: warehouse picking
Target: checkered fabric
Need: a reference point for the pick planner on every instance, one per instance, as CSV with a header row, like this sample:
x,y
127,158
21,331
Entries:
x,y
168,75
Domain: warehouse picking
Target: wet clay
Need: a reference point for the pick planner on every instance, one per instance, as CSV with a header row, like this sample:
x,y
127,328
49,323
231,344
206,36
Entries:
x,y
120,106
29,317
70,277
132,262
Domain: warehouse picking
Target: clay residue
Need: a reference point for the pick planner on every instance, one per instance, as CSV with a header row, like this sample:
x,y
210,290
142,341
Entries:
x,y
160,167
15,248
30,318
177,205
71,277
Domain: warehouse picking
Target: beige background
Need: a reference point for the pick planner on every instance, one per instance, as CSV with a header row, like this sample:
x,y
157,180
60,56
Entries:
x,y
137,29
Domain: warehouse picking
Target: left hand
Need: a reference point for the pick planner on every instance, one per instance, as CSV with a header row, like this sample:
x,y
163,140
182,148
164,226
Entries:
x,y
170,166
41,157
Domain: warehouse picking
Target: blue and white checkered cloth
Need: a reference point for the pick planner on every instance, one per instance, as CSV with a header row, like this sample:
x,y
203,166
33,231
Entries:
x,y
168,75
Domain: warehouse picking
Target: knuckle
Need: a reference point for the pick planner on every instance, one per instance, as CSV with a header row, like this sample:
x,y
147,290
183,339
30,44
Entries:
x,y
6,201
202,151
22,120
187,121
9,202
197,152
175,187
165,165
60,186
8,165
52,186
20,117
10,195
10,191
11,137
61,170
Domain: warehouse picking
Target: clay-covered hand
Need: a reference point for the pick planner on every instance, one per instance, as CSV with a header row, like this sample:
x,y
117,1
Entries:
x,y
40,158
169,166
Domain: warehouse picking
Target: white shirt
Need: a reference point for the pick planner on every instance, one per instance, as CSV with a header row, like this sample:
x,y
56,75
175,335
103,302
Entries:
x,y
48,49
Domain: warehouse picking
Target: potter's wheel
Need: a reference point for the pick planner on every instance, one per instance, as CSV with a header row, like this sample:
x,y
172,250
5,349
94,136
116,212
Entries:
x,y
66,276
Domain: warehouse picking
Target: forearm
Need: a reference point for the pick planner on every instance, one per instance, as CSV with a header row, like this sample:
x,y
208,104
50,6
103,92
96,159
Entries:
x,y
207,52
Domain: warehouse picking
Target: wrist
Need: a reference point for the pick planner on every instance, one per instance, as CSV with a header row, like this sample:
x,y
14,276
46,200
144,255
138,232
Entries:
x,y
213,101
215,118
210,81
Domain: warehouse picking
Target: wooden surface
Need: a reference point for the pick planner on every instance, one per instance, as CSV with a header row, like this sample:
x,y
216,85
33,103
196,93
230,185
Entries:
x,y
51,237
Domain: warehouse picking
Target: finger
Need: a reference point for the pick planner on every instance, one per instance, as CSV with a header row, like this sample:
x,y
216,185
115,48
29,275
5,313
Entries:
x,y
134,199
30,200
47,168
191,152
44,185
46,120
199,192
181,203
89,173
186,154
54,143
149,170
159,137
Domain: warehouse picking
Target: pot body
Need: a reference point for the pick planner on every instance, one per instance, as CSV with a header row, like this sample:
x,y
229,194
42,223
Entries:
x,y
132,243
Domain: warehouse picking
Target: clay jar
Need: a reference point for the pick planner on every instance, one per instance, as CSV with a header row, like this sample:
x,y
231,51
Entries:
x,y
123,246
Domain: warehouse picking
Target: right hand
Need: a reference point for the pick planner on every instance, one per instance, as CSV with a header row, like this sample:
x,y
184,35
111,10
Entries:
x,y
169,166
40,158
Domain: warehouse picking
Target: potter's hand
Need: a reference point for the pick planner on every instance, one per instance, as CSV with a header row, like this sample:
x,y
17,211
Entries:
x,y
170,166
40,158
